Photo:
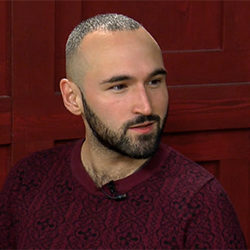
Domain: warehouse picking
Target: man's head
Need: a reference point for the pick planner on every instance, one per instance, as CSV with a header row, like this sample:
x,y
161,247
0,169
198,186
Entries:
x,y
116,80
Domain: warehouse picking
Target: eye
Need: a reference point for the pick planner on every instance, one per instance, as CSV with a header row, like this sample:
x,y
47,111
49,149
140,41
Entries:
x,y
118,87
155,82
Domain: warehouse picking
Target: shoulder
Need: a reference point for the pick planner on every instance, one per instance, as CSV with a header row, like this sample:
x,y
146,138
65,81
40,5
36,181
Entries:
x,y
31,170
198,200
181,178
185,178
184,171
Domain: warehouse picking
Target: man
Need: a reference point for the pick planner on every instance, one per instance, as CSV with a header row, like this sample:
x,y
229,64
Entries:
x,y
118,188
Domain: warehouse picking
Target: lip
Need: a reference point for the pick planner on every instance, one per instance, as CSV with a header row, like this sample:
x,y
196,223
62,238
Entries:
x,y
143,128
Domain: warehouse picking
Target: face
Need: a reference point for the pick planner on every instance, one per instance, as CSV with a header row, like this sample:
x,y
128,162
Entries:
x,y
125,96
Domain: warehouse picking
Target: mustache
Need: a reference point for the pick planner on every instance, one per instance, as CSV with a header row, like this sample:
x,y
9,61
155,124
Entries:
x,y
141,119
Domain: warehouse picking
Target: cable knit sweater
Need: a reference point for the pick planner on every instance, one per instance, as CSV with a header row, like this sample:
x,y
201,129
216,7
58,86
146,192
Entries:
x,y
50,202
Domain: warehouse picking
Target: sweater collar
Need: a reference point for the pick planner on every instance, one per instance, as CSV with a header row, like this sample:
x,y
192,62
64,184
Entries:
x,y
122,185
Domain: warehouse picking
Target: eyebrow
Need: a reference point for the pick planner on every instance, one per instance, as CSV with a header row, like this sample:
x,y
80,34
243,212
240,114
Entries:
x,y
121,78
158,72
117,79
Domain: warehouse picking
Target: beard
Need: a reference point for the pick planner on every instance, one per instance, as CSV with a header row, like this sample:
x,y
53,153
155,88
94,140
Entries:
x,y
137,147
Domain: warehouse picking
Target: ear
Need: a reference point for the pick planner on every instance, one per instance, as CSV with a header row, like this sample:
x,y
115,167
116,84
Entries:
x,y
71,96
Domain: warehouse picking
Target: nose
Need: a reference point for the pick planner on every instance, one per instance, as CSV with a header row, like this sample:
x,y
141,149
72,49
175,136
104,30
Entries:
x,y
142,102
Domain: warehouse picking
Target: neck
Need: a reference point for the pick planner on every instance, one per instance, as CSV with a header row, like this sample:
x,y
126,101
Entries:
x,y
104,165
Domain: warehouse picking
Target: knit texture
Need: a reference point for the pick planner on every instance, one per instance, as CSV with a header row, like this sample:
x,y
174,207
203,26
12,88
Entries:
x,y
50,202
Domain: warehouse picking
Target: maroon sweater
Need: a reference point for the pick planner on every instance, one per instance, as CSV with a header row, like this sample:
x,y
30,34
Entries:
x,y
50,202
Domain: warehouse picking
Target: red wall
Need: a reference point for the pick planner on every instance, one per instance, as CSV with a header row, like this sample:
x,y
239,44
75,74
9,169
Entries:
x,y
206,48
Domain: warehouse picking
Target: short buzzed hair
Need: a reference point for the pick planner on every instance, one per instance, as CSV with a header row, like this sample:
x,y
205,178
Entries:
x,y
105,22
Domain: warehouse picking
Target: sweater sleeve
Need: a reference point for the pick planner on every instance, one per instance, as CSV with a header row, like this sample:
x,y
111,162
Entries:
x,y
21,186
213,223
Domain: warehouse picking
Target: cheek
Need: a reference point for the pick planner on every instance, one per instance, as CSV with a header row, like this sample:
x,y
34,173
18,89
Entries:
x,y
112,113
160,103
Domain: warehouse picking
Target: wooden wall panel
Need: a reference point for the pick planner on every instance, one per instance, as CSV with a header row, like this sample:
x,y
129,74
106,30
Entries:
x,y
207,107
4,48
236,26
5,120
5,100
211,145
207,67
5,151
33,71
5,91
33,48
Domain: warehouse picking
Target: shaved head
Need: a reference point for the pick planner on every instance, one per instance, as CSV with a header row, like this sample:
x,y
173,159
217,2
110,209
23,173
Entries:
x,y
75,63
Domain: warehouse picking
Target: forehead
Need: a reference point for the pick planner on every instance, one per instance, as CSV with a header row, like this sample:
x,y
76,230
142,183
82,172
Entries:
x,y
120,52
112,37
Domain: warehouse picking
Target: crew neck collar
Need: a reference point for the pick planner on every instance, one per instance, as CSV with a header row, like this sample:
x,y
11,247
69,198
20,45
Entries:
x,y
122,185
